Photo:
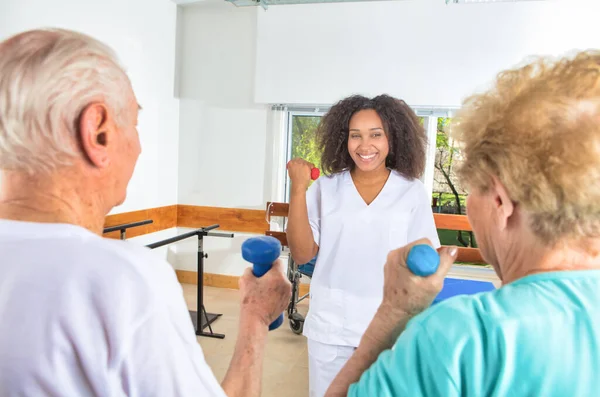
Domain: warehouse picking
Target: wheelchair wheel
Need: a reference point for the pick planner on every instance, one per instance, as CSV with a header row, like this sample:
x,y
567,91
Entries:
x,y
297,323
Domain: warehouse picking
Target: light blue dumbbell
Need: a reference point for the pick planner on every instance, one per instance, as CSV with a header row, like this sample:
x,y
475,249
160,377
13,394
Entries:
x,y
262,252
423,260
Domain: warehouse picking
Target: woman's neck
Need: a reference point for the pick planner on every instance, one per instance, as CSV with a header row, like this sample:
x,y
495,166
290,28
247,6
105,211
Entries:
x,y
583,254
370,177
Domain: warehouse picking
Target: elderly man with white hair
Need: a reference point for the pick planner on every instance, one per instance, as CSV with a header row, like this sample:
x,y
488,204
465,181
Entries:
x,y
82,315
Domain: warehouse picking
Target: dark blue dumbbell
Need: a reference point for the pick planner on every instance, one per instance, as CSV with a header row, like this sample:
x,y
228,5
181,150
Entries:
x,y
423,260
262,252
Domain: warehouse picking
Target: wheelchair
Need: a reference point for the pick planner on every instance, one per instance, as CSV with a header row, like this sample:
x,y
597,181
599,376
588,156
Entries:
x,y
294,271
294,274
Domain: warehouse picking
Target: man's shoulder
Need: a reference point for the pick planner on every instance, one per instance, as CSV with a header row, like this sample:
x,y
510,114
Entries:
x,y
130,252
111,263
72,246
126,256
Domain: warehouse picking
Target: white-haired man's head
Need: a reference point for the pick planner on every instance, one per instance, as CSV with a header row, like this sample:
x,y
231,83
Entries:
x,y
67,106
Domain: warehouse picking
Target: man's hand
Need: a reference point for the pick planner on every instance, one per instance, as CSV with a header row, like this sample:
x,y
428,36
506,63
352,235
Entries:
x,y
406,293
265,298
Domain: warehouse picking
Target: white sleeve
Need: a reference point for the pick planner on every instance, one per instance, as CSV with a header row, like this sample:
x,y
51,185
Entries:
x,y
164,357
161,362
313,204
422,224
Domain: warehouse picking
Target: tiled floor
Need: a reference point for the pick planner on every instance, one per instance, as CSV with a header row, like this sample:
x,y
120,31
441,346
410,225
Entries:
x,y
285,370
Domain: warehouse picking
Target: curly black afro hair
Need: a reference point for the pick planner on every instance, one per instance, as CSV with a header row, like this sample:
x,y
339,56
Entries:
x,y
406,136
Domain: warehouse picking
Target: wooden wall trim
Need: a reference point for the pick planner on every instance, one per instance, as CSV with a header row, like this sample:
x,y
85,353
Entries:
x,y
249,221
162,217
230,219
193,216
220,280
187,277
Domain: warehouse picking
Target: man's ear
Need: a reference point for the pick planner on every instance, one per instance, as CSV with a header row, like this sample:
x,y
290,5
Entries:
x,y
503,205
95,134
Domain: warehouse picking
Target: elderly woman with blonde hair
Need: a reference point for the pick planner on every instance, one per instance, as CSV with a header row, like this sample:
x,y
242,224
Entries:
x,y
531,148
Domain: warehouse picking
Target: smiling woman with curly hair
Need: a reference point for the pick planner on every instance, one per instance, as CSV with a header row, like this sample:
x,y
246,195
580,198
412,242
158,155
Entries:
x,y
405,135
369,203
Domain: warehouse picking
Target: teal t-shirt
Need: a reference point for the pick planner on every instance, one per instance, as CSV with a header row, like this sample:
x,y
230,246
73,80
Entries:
x,y
538,336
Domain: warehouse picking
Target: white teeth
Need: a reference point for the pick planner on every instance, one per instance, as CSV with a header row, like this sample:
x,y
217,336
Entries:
x,y
366,157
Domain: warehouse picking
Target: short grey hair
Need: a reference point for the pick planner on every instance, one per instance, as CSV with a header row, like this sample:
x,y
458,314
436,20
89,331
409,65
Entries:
x,y
47,78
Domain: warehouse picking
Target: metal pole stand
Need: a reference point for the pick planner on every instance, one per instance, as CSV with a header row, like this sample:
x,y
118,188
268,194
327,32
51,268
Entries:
x,y
206,319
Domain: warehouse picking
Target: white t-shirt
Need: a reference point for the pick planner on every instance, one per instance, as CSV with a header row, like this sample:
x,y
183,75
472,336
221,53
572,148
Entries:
x,y
354,239
85,316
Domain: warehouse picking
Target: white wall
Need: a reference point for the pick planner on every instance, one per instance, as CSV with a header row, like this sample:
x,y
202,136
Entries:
x,y
224,254
223,146
423,51
143,34
429,53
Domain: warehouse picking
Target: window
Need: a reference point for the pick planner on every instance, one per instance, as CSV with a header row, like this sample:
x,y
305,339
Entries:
x,y
302,142
443,158
449,195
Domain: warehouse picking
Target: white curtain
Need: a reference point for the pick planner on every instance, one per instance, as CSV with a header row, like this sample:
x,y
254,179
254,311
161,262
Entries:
x,y
275,173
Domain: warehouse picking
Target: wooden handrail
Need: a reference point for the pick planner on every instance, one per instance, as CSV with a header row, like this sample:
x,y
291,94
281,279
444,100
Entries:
x,y
465,254
278,209
442,221
452,222
281,236
469,255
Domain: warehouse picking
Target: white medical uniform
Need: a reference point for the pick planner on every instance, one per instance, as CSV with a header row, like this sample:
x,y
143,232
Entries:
x,y
354,239
86,316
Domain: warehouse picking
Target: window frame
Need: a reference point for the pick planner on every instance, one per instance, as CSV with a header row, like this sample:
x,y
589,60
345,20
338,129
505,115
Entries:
x,y
430,115
290,114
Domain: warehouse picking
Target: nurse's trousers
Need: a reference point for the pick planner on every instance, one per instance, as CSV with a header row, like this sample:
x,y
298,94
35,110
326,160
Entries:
x,y
324,363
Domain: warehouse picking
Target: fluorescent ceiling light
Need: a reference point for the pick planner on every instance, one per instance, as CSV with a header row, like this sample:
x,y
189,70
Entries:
x,y
265,3
483,1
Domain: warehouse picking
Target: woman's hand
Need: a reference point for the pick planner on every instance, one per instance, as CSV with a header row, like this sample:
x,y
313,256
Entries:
x,y
299,171
405,293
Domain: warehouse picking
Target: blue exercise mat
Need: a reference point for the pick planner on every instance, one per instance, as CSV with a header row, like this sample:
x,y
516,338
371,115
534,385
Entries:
x,y
452,286
456,286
